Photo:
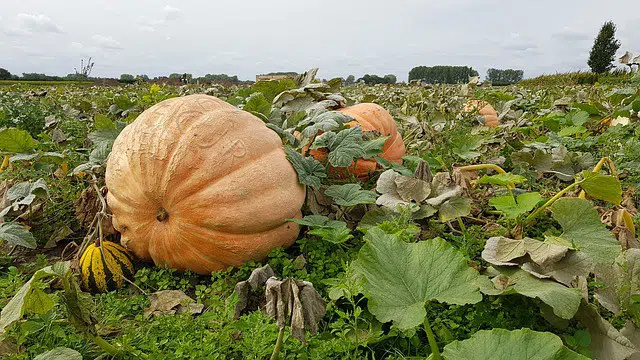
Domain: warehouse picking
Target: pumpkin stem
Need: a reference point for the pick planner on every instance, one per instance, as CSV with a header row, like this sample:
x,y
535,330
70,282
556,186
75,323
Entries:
x,y
163,215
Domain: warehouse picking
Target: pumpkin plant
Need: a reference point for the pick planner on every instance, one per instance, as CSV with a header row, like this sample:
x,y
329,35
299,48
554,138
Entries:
x,y
195,183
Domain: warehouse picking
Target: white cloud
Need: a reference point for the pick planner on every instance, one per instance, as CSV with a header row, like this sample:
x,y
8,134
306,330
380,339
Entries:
x,y
28,24
171,13
106,42
569,34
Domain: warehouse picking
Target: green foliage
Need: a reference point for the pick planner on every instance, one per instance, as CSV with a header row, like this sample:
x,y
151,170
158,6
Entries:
x,y
604,49
375,79
504,77
442,74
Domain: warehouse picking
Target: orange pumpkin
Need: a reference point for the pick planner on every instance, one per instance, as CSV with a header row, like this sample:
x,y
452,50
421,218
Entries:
x,y
195,183
485,109
370,117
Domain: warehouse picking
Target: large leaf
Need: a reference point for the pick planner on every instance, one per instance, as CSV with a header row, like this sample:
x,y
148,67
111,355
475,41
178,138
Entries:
x,y
400,278
453,208
324,121
606,342
344,147
258,103
59,353
513,207
500,250
582,228
16,307
603,187
621,283
563,300
16,141
501,344
373,147
17,234
310,171
350,195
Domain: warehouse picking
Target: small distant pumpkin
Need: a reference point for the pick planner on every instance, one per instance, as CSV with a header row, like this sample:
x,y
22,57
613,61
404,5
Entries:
x,y
370,117
484,109
104,265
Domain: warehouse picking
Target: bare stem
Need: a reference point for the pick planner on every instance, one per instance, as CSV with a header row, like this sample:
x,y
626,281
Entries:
x,y
276,349
432,340
551,201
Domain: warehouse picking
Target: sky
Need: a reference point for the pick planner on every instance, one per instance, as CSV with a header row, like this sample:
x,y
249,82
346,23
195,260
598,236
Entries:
x,y
249,37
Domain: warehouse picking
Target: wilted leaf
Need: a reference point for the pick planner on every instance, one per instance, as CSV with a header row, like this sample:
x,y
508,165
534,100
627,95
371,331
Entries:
x,y
606,341
171,302
400,278
582,228
246,288
310,171
350,195
17,234
574,264
412,189
501,344
564,301
500,250
294,303
621,282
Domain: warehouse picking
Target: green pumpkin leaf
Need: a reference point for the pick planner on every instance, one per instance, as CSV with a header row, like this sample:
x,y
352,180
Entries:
x,y
101,122
350,195
602,187
59,353
16,141
323,121
453,208
258,103
373,147
502,179
400,278
582,228
310,171
39,302
344,147
15,308
501,344
513,207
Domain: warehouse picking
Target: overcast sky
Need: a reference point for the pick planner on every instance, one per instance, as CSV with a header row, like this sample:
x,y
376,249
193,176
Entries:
x,y
247,37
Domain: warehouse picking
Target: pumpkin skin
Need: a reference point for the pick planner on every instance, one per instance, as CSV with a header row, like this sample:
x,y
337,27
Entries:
x,y
197,184
370,117
485,109
103,267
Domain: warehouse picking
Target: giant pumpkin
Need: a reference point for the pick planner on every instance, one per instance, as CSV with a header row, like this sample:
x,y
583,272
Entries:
x,y
370,117
195,183
484,109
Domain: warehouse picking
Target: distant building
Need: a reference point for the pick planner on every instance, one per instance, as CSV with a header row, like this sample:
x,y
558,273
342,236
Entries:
x,y
276,76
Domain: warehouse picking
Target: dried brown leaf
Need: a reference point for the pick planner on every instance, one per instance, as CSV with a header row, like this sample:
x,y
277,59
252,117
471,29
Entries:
x,y
171,302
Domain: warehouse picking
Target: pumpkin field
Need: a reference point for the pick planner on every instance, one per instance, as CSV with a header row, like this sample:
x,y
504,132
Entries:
x,y
307,219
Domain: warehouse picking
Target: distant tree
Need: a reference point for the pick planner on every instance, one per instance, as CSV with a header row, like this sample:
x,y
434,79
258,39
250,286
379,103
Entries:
x,y
442,74
390,79
142,78
5,74
175,76
40,77
350,80
604,49
375,79
219,78
504,77
127,78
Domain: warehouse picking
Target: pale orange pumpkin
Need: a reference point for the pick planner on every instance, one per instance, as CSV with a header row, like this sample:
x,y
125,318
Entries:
x,y
370,117
195,183
484,109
